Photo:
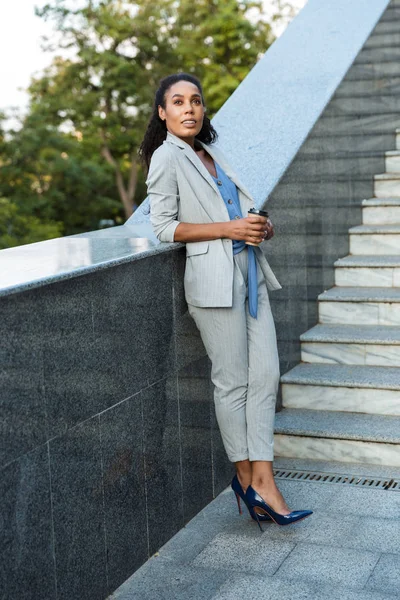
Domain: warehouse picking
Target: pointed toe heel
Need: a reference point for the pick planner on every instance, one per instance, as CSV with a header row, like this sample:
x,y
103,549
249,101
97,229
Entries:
x,y
240,495
253,499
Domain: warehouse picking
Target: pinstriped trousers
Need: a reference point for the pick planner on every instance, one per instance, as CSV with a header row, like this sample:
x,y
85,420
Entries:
x,y
245,367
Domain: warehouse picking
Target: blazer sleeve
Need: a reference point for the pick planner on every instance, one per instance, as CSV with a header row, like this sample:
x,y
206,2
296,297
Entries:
x,y
162,188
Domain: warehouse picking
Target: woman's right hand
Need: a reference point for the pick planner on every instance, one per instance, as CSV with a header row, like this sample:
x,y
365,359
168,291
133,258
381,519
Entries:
x,y
248,229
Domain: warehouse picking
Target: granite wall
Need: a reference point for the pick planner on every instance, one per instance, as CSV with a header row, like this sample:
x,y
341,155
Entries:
x,y
109,443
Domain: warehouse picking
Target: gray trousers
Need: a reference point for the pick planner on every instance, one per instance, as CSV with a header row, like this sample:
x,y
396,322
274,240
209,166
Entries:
x,y
245,367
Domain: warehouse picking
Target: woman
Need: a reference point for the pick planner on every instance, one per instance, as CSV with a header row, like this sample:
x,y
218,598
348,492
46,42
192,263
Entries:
x,y
195,198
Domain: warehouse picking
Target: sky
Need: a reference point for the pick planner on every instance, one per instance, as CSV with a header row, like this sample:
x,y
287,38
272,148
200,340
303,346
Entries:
x,y
20,48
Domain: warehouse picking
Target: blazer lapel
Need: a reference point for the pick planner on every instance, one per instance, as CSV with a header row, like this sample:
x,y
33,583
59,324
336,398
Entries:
x,y
246,200
210,208
215,153
194,159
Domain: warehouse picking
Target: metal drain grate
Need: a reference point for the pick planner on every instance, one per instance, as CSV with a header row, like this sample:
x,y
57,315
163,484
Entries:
x,y
376,483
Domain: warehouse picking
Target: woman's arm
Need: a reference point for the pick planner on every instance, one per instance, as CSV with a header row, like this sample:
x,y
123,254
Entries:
x,y
162,188
249,229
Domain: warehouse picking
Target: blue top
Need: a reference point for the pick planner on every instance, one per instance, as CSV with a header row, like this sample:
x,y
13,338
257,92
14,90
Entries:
x,y
230,196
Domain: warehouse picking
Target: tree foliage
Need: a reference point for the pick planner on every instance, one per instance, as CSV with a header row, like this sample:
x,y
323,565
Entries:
x,y
75,159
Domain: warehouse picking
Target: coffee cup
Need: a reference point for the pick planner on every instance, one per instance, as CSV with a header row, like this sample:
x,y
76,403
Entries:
x,y
251,213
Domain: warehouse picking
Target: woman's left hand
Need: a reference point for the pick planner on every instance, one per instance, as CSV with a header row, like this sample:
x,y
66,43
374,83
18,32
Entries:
x,y
269,230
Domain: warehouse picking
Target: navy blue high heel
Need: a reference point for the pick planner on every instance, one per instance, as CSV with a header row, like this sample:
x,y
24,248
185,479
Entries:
x,y
253,499
239,493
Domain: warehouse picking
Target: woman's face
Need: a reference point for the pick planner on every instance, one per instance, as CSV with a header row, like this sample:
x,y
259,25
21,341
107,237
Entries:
x,y
184,110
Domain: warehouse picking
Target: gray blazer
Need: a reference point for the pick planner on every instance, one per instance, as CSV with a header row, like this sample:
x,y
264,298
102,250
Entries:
x,y
180,188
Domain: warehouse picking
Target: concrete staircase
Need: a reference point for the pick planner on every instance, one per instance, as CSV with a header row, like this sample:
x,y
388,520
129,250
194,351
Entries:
x,y
342,402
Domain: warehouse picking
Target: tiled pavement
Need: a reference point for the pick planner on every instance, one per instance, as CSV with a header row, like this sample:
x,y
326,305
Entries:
x,y
349,549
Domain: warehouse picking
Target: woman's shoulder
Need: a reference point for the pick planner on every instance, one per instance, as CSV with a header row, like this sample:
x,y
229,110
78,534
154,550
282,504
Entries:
x,y
163,155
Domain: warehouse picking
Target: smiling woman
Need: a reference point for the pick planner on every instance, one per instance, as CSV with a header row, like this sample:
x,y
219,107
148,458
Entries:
x,y
196,198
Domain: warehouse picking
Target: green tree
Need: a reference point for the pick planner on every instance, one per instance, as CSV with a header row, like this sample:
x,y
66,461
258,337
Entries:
x,y
219,43
17,229
51,176
121,50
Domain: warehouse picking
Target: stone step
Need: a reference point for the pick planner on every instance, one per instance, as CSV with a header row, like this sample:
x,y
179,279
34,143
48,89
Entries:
x,y
352,345
387,185
367,271
375,239
381,211
348,388
343,437
392,161
360,306
398,139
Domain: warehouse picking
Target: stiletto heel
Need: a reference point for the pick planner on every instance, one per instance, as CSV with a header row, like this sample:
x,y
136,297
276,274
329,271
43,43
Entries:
x,y
238,503
254,499
239,493
258,521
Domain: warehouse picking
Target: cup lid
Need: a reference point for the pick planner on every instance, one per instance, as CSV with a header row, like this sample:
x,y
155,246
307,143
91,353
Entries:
x,y
258,211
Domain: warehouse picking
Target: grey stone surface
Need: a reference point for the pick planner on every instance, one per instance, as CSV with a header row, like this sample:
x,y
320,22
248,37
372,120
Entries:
x,y
36,265
332,557
382,40
386,575
327,564
363,161
22,394
373,70
368,261
375,229
265,588
162,462
272,588
357,143
381,202
383,54
378,535
364,503
124,489
365,470
344,375
157,580
367,334
195,397
72,380
360,294
78,513
27,545
338,425
366,104
239,553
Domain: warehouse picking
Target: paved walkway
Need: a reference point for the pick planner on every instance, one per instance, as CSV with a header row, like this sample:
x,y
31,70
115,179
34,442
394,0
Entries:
x,y
349,549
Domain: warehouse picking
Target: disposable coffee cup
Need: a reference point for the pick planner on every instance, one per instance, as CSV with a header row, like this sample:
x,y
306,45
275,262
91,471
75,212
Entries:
x,y
261,213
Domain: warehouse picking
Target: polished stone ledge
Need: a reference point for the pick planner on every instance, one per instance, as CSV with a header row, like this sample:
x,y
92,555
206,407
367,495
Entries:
x,y
39,264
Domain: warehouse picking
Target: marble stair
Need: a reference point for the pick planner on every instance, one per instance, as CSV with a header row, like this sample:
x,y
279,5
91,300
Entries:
x,y
342,402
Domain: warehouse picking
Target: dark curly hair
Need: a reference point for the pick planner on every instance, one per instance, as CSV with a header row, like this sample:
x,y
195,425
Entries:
x,y
156,131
